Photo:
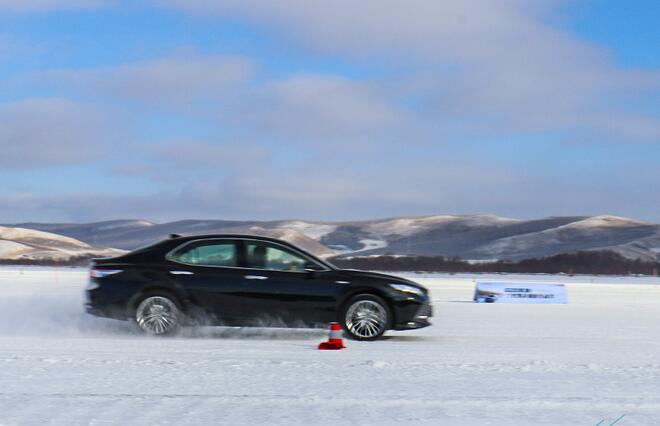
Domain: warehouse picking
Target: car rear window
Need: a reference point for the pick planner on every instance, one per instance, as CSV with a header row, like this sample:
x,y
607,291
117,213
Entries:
x,y
207,254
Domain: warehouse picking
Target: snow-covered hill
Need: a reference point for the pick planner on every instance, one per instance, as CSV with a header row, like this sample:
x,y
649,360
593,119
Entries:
x,y
28,244
475,237
629,237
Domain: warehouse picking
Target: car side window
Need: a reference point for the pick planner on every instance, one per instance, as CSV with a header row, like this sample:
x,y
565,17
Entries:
x,y
264,256
207,254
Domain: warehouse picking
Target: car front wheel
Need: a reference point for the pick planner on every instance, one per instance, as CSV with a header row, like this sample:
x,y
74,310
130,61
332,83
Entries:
x,y
365,317
158,314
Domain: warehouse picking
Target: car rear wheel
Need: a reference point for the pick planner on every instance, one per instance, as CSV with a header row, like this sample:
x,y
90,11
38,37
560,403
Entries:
x,y
366,317
158,314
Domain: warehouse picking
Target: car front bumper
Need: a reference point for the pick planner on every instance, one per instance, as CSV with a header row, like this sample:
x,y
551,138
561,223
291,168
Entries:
x,y
413,317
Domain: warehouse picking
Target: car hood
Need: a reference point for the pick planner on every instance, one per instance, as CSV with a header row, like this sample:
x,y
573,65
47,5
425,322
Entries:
x,y
352,273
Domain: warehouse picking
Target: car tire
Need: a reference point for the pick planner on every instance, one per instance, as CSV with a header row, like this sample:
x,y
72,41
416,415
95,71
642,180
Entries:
x,y
158,314
365,317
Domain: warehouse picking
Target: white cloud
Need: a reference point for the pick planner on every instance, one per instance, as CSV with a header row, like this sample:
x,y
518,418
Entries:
x,y
317,108
173,80
51,131
336,147
415,186
194,154
261,190
461,28
228,90
48,5
478,64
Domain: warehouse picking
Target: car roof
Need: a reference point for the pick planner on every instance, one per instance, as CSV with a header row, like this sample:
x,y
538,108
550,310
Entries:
x,y
185,238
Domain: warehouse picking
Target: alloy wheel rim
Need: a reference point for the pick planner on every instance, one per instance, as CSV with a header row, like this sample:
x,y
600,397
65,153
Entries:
x,y
366,318
157,315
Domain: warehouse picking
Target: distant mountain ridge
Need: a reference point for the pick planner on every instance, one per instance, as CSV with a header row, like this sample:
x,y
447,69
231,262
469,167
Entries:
x,y
29,245
473,237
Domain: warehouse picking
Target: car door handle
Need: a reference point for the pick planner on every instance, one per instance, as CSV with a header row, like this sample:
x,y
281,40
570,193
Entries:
x,y
255,277
182,273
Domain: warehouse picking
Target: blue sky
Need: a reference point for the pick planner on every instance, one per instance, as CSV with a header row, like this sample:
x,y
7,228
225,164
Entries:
x,y
328,110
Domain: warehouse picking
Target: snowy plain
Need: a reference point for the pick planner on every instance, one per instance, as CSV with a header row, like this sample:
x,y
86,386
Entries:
x,y
585,363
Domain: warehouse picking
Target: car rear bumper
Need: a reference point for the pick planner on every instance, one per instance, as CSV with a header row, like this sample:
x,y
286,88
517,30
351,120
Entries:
x,y
93,310
110,311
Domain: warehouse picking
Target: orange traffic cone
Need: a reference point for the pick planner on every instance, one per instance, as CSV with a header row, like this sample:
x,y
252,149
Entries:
x,y
335,340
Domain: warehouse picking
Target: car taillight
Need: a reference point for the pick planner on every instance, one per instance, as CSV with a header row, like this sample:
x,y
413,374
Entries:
x,y
97,272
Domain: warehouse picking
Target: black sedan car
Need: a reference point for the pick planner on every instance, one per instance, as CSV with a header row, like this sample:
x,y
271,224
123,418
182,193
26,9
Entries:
x,y
242,280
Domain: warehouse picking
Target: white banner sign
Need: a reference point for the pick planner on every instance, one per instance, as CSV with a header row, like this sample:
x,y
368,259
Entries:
x,y
494,292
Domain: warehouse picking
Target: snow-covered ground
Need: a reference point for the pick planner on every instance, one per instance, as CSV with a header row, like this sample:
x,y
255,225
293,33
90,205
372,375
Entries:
x,y
595,359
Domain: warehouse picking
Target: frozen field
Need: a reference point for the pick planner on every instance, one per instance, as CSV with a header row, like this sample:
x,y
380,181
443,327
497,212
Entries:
x,y
595,359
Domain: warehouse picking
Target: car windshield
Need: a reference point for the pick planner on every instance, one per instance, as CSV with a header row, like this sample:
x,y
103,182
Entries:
x,y
329,264
265,256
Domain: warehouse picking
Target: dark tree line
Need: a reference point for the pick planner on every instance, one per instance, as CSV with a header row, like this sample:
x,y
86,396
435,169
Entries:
x,y
74,261
582,262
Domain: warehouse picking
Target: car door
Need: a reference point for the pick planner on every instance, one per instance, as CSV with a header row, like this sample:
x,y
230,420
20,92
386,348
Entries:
x,y
279,289
208,270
